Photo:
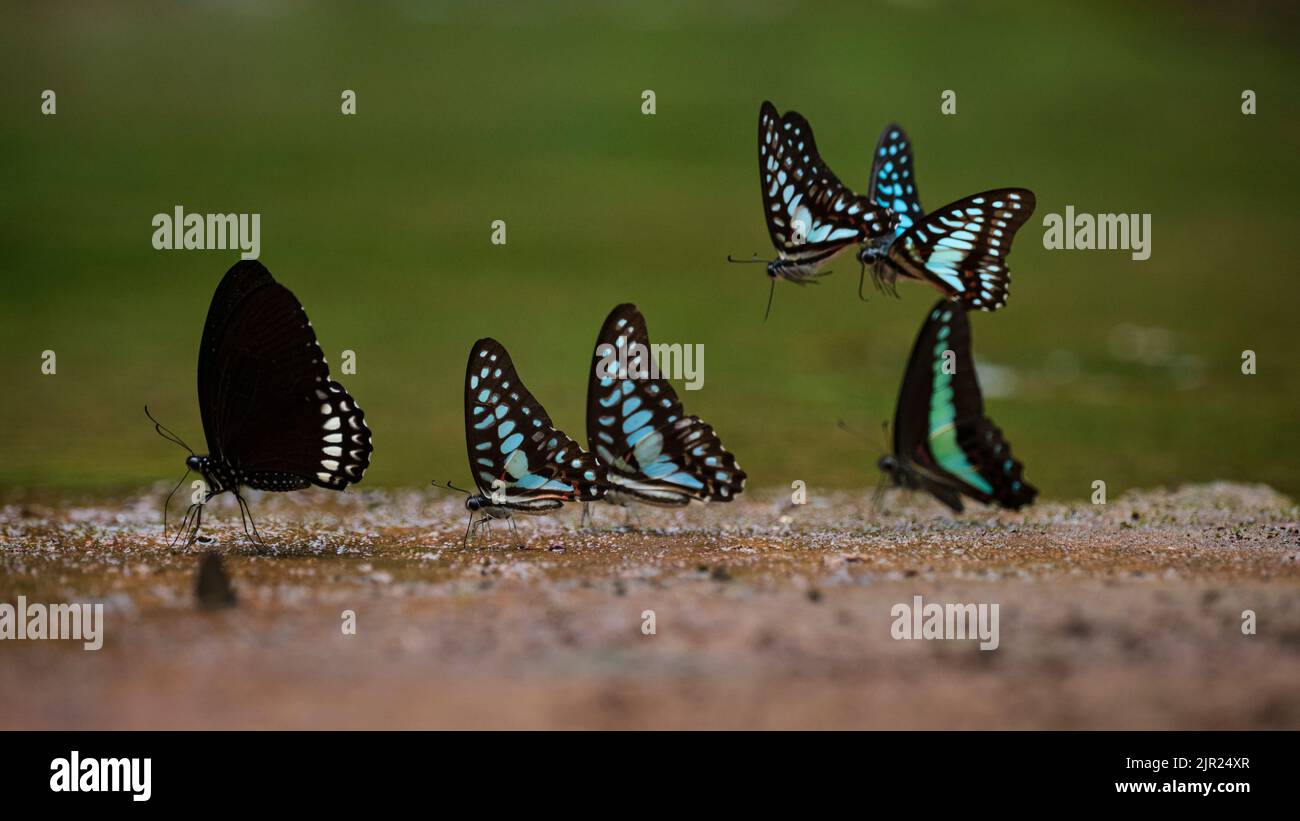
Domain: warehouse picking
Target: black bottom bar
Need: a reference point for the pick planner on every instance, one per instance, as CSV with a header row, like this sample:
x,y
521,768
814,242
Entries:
x,y
237,770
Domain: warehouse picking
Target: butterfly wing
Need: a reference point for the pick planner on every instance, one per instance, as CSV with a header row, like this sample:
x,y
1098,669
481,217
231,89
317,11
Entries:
x,y
893,178
638,430
940,430
811,215
513,445
962,248
268,405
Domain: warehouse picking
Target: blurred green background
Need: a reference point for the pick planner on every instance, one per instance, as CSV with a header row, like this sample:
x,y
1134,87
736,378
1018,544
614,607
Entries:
x,y
1100,367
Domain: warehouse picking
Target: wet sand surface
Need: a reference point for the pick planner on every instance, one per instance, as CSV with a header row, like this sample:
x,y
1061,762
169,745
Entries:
x,y
766,615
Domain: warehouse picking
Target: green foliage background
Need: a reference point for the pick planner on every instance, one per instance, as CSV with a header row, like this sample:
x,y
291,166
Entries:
x,y
530,112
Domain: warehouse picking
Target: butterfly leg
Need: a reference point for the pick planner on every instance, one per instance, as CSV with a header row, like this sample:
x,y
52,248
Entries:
x,y
185,525
198,523
469,528
885,283
246,518
586,521
188,524
478,526
878,498
519,542
632,521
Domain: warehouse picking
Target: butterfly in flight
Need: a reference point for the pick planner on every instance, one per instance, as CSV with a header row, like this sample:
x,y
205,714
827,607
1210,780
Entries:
x,y
943,442
272,417
521,463
961,248
811,216
654,452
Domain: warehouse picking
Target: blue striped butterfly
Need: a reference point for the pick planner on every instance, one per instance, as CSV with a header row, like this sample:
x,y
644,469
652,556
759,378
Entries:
x,y
654,452
943,442
893,179
811,216
521,463
961,248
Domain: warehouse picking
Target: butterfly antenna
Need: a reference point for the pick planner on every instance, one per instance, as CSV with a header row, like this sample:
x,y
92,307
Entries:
x,y
844,426
771,291
168,500
862,280
884,430
751,261
450,486
165,433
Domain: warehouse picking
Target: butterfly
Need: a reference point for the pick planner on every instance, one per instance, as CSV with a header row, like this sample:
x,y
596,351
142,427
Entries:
x,y
961,248
893,180
943,442
811,216
272,417
521,463
654,453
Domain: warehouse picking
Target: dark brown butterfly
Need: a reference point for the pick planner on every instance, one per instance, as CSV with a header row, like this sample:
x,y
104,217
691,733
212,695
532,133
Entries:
x,y
273,418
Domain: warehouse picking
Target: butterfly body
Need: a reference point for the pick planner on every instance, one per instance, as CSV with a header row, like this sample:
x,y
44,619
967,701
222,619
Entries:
x,y
811,216
943,442
653,451
483,504
222,477
800,272
904,474
520,462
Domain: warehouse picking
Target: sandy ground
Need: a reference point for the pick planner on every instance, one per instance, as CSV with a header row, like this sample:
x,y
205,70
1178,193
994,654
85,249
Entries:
x,y
767,615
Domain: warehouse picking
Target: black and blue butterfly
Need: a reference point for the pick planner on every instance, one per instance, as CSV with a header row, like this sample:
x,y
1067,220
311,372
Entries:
x,y
893,179
272,417
961,249
521,463
653,451
943,442
811,216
